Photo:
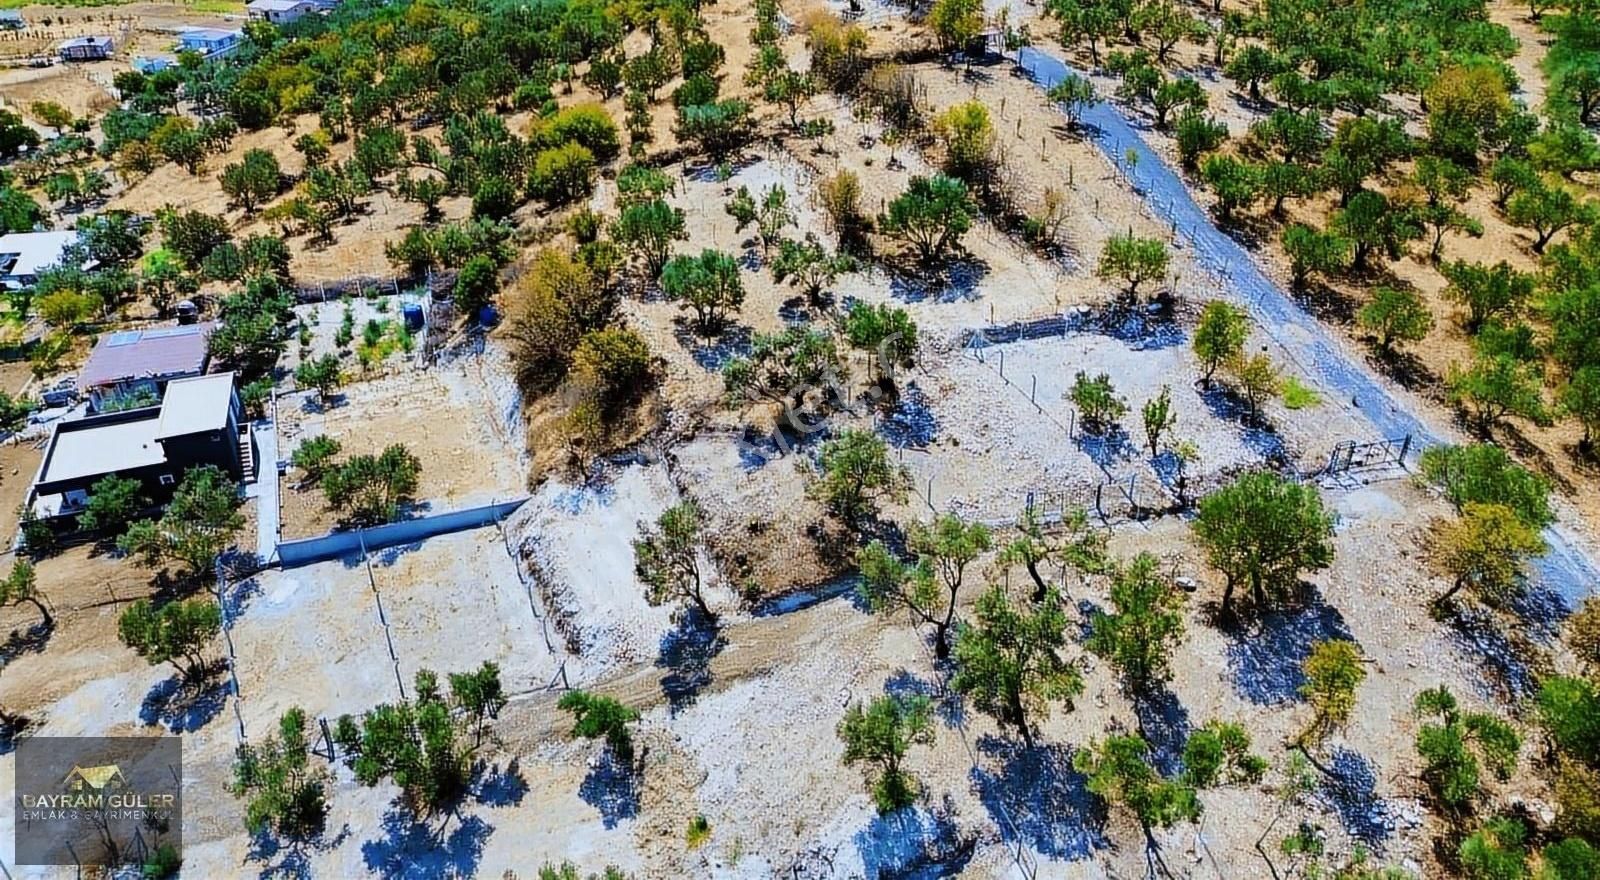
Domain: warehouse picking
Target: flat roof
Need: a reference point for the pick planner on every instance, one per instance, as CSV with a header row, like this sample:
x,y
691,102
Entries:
x,y
209,34
151,353
191,406
26,253
103,449
276,5
92,40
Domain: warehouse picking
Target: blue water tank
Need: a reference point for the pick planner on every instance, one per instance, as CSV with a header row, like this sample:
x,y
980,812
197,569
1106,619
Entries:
x,y
412,312
488,316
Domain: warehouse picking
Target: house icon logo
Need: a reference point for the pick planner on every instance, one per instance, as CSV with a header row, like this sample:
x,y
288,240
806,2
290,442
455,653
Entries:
x,y
99,778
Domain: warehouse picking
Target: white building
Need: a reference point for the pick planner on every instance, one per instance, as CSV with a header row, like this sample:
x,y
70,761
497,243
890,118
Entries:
x,y
23,255
279,11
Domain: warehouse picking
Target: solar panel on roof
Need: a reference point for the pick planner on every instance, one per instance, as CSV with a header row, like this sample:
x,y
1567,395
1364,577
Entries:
x,y
125,337
169,332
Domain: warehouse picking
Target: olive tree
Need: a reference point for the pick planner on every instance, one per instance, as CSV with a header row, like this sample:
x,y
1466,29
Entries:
x,y
708,284
1139,636
1220,335
782,367
371,488
596,716
931,215
880,734
1133,260
416,744
1008,660
199,523
284,792
927,587
647,230
667,559
175,632
1454,748
1264,530
22,585
1332,673
1395,315
1483,551
854,473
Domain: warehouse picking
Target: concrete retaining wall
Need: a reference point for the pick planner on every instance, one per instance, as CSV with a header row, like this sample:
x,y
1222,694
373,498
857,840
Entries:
x,y
292,554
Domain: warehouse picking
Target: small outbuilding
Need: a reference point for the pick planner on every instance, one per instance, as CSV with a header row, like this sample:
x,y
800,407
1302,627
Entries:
x,y
11,20
96,47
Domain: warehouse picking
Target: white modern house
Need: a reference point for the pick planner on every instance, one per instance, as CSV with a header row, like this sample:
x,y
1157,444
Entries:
x,y
23,255
279,11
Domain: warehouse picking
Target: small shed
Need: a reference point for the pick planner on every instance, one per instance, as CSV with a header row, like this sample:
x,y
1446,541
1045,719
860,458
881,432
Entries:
x,y
95,47
11,20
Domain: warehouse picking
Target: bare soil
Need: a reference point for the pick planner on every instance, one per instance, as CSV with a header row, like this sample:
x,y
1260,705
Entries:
x,y
453,418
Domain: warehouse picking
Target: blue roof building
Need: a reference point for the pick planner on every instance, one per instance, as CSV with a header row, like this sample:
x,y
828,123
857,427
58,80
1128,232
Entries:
x,y
210,43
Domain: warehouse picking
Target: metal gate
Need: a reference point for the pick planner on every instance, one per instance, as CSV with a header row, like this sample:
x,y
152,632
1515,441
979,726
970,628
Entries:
x,y
1350,455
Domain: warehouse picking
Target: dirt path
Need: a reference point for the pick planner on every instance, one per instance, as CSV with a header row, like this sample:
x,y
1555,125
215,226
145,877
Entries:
x,y
1565,569
755,648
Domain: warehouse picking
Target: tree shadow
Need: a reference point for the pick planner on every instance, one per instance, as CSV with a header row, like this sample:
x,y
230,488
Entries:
x,y
874,527
910,422
612,788
1251,230
410,849
955,280
1035,797
185,707
11,732
1106,446
1264,656
712,353
31,640
293,857
1510,660
314,404
1351,793
686,652
1255,432
1164,724
1151,327
847,585
949,706
236,597
914,842
757,450
498,786
1528,451
1406,369
1327,303
796,311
